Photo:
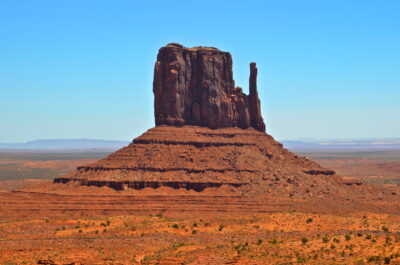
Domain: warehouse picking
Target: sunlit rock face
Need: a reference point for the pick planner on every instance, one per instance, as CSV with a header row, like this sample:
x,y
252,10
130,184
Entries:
x,y
195,86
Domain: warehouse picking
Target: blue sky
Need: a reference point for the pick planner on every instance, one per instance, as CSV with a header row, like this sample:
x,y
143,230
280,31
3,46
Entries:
x,y
84,69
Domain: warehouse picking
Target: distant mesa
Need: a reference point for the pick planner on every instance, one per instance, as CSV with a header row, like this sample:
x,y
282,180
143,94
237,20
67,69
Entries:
x,y
208,134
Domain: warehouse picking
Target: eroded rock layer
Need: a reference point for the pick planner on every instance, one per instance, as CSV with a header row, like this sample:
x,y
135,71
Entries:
x,y
197,158
195,86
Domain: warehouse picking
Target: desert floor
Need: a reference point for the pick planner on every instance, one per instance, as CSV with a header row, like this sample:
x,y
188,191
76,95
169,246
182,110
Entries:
x,y
40,228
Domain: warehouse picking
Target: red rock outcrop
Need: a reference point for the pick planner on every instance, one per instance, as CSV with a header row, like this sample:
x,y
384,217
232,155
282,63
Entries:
x,y
195,86
195,97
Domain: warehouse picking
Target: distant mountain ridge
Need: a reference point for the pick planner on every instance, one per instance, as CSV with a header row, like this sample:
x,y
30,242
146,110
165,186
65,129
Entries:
x,y
352,145
112,145
61,144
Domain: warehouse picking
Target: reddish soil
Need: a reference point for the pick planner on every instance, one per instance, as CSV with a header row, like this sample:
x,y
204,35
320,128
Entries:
x,y
277,238
369,170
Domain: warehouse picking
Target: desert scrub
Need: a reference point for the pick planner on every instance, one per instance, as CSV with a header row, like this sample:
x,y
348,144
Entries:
x,y
273,241
159,215
304,240
309,220
175,226
178,245
241,247
325,239
221,227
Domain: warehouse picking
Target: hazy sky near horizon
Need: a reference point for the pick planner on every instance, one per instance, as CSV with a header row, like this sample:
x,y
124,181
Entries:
x,y
84,69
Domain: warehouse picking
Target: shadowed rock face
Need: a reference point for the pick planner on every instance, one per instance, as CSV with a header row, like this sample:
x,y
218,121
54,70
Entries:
x,y
195,86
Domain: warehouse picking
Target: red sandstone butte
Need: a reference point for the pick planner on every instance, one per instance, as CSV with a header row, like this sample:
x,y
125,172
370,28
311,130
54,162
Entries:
x,y
209,134
195,86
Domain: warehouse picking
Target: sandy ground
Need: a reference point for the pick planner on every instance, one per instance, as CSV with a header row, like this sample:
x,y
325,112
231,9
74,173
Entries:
x,y
278,238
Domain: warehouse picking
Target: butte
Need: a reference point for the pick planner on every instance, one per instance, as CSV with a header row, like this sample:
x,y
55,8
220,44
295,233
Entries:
x,y
209,135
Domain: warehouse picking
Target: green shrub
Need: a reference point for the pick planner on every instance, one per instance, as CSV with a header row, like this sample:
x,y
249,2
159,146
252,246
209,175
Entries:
x,y
220,227
325,239
304,240
385,229
309,220
176,226
373,259
347,237
259,242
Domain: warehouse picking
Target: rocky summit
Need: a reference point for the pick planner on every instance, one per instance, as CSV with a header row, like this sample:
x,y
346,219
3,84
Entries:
x,y
209,134
195,86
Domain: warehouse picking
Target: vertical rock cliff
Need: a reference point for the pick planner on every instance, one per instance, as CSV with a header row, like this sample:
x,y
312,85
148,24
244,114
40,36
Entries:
x,y
195,86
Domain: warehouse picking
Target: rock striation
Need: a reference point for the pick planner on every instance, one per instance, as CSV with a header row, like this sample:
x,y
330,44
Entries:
x,y
195,86
196,158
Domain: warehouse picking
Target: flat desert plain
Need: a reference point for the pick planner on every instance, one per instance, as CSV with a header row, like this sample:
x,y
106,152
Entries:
x,y
90,225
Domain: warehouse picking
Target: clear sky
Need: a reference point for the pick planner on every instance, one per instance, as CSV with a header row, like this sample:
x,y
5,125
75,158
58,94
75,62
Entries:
x,y
84,69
